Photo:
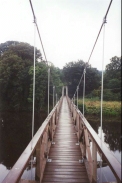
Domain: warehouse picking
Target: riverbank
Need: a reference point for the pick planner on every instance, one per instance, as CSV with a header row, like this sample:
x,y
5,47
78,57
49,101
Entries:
x,y
93,107
97,118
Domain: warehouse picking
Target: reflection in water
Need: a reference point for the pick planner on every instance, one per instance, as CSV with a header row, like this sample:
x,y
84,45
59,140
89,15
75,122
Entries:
x,y
111,134
113,143
3,172
107,175
15,134
29,174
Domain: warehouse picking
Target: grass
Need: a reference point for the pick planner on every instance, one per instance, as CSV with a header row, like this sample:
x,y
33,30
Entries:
x,y
93,106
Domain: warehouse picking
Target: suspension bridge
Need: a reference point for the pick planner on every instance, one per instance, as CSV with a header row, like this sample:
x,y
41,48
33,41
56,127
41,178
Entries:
x,y
65,148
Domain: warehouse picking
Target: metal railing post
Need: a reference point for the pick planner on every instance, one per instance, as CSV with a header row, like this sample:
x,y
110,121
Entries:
x,y
48,88
94,158
56,98
53,95
84,90
77,95
34,81
74,99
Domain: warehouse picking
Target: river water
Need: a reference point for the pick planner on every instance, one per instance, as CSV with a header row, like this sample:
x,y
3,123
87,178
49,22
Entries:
x,y
15,134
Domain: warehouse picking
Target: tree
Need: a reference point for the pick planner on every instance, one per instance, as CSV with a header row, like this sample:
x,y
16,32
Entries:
x,y
73,72
5,46
15,81
112,79
11,81
113,70
40,85
56,80
16,78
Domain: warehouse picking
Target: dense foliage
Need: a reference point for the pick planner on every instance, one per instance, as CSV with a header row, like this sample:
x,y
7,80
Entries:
x,y
112,81
16,78
73,72
93,107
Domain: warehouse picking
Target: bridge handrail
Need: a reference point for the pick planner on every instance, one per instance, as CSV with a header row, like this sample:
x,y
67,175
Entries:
x,y
17,170
110,158
102,148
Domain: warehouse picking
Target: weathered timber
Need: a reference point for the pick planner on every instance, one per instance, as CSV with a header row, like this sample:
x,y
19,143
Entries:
x,y
65,153
29,181
66,149
86,133
39,145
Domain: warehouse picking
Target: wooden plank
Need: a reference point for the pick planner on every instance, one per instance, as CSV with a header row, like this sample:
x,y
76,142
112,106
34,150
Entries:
x,y
75,180
64,150
61,146
70,149
65,154
66,169
83,173
71,142
68,133
71,176
60,182
28,181
64,158
17,170
74,140
71,163
58,136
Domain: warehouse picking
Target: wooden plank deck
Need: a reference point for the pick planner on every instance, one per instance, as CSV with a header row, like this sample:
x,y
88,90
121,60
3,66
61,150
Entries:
x,y
65,153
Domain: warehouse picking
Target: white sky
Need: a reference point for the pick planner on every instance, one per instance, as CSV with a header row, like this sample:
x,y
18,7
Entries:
x,y
68,28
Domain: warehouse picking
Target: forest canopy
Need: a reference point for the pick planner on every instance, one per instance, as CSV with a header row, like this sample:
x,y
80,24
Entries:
x,y
16,78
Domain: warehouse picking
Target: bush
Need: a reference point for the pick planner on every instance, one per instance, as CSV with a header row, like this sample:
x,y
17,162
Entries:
x,y
110,108
80,106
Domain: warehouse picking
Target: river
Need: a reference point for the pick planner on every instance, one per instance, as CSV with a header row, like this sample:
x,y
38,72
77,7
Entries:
x,y
15,134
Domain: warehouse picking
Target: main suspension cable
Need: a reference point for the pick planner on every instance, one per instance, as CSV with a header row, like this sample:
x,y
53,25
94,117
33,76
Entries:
x,y
35,21
102,94
105,17
33,84
38,29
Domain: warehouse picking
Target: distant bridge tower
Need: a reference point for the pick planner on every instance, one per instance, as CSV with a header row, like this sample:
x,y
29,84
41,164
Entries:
x,y
64,91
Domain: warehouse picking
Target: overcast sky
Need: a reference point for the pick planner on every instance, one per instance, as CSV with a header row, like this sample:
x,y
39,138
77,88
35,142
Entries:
x,y
68,28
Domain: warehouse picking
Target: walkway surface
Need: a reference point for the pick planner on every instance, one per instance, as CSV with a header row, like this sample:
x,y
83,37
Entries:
x,y
65,154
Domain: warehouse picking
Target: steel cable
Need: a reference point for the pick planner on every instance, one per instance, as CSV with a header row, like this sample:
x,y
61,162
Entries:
x,y
104,21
